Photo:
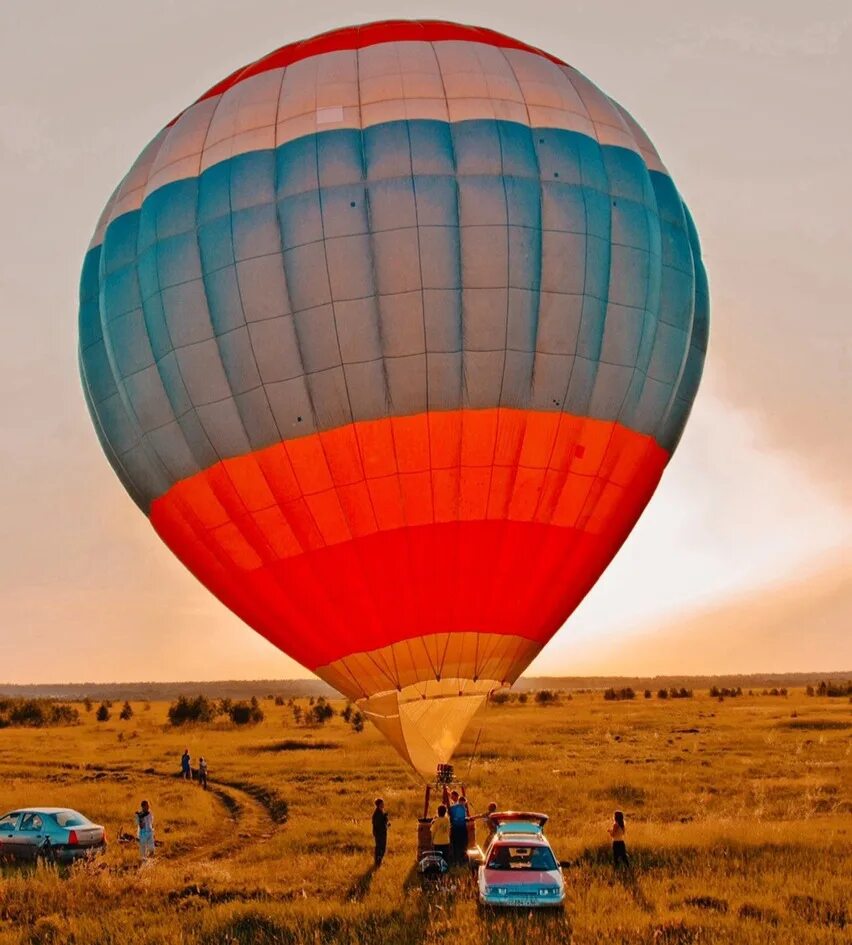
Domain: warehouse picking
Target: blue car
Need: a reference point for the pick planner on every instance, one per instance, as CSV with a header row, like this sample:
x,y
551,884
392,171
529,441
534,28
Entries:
x,y
517,869
51,834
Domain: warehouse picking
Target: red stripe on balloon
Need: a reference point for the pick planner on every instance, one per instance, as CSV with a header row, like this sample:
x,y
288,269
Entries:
x,y
371,34
347,541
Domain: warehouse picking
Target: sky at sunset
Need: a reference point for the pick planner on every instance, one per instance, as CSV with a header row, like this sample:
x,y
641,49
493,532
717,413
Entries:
x,y
741,562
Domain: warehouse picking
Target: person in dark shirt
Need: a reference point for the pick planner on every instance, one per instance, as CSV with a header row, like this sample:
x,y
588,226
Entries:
x,y
380,831
458,827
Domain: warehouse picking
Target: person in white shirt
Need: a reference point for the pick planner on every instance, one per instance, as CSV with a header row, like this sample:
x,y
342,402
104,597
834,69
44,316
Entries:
x,y
145,830
619,847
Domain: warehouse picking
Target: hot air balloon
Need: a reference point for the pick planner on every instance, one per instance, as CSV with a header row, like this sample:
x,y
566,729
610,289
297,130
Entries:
x,y
391,335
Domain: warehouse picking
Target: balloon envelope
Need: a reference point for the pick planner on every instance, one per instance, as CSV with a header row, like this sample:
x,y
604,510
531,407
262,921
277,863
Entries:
x,y
391,335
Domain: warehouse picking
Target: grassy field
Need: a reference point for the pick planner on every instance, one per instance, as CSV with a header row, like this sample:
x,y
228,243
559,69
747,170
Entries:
x,y
738,817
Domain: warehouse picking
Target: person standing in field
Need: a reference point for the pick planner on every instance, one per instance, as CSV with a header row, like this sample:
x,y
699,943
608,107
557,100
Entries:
x,y
490,826
145,830
619,847
380,831
202,772
440,830
458,827
186,765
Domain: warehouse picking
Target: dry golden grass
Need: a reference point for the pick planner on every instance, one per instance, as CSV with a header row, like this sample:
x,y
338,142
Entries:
x,y
738,820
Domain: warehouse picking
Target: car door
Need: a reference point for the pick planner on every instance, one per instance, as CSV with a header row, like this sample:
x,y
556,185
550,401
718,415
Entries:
x,y
30,835
9,834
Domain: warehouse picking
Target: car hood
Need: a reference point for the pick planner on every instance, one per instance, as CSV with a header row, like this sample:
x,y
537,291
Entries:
x,y
514,879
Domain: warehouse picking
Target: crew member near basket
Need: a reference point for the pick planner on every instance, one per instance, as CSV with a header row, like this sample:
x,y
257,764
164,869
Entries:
x,y
380,831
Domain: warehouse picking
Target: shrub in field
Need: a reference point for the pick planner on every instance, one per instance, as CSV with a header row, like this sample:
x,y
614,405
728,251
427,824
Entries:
x,y
522,698
191,709
662,694
103,713
223,706
279,700
619,694
87,704
126,712
832,689
546,697
647,693
346,712
36,713
500,698
724,692
358,721
320,712
246,713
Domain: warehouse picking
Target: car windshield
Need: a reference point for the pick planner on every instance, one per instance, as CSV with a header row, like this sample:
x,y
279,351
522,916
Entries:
x,y
70,818
506,857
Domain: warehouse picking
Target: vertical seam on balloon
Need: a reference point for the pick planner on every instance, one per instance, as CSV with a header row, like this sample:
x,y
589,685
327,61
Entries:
x,y
380,315
239,291
297,335
365,180
608,461
531,132
392,650
143,438
432,663
281,505
605,303
697,342
296,332
476,663
459,290
328,281
532,135
463,388
643,370
646,309
124,399
344,667
446,649
383,671
174,350
501,413
504,411
663,421
422,303
563,471
136,494
411,653
240,526
290,306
